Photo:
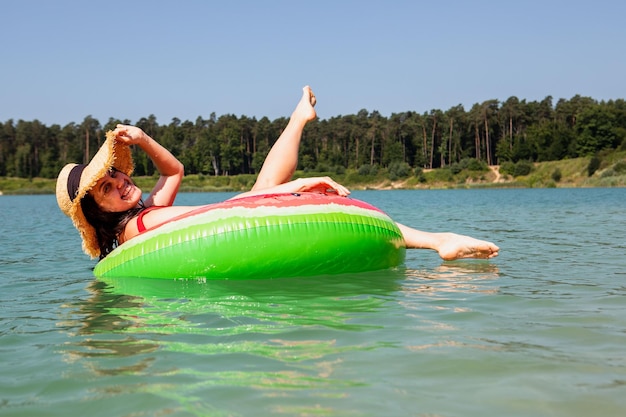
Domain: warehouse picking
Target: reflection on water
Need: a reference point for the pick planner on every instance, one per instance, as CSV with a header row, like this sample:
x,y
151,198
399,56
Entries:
x,y
267,335
271,336
460,276
102,332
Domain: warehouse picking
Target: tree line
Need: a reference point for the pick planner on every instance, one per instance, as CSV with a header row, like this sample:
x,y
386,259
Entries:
x,y
491,132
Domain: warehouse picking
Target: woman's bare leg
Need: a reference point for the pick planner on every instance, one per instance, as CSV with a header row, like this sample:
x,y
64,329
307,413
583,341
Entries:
x,y
282,160
450,246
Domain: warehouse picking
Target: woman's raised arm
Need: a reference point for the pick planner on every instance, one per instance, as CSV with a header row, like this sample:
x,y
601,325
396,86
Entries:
x,y
171,170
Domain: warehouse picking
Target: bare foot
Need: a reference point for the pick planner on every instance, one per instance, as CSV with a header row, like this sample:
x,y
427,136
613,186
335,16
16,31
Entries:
x,y
455,246
304,110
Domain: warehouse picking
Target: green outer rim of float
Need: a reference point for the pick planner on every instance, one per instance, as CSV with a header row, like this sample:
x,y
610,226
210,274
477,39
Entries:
x,y
261,242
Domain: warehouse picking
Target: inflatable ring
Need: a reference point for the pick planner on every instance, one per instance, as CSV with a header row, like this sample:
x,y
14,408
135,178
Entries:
x,y
268,236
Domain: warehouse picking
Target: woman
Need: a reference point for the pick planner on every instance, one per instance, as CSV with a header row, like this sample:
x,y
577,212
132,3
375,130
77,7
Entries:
x,y
106,206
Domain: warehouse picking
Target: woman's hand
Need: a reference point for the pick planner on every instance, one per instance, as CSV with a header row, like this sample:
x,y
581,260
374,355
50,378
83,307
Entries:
x,y
323,185
129,135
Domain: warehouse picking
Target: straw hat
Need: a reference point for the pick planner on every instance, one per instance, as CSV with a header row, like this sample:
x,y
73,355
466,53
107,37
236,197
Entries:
x,y
75,180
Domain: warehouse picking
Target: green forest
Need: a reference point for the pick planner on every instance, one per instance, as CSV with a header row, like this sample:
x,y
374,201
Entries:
x,y
512,134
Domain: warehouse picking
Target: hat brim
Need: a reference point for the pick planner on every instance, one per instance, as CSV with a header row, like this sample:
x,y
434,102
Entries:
x,y
112,154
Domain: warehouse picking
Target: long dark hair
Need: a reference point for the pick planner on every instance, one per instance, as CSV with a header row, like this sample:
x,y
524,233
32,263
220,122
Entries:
x,y
108,225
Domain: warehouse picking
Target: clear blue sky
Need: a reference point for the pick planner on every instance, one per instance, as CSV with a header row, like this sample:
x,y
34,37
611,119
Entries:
x,y
63,60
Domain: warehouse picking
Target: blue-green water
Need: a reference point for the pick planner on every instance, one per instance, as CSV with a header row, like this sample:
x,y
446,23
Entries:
x,y
539,331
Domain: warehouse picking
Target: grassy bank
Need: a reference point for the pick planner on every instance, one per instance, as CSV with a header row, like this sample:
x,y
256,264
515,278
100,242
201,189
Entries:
x,y
601,171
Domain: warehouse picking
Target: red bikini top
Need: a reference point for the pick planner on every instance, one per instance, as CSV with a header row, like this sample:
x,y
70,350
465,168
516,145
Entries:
x,y
140,226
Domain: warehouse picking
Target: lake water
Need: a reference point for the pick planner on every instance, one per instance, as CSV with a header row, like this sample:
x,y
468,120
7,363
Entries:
x,y
538,331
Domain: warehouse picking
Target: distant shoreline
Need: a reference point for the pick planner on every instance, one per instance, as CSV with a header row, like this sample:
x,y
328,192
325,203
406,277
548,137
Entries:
x,y
588,172
571,174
